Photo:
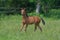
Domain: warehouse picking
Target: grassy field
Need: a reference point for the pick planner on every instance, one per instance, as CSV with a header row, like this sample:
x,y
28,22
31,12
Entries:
x,y
10,29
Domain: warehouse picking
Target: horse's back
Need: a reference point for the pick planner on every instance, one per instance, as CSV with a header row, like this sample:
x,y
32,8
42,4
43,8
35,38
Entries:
x,y
34,19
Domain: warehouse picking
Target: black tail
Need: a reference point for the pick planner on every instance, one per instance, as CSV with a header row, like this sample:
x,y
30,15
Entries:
x,y
43,21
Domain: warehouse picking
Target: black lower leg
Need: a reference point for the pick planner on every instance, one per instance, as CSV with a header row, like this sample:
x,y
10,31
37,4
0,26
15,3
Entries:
x,y
35,28
40,28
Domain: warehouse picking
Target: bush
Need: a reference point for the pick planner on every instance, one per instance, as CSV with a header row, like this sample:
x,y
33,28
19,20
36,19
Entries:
x,y
54,13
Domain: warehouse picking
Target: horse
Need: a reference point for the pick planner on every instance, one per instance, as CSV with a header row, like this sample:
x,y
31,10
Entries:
x,y
26,20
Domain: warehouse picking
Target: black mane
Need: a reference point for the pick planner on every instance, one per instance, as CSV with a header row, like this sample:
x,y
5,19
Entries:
x,y
26,15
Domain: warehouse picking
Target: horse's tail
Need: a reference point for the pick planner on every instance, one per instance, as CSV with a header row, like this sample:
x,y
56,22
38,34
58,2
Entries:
x,y
43,21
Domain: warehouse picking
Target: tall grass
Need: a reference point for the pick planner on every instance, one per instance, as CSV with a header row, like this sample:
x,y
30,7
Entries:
x,y
10,29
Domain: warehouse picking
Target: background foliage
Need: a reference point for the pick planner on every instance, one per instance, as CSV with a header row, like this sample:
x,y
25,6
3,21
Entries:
x,y
13,6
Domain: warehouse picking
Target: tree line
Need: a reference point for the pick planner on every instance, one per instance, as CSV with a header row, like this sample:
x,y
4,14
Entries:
x,y
30,5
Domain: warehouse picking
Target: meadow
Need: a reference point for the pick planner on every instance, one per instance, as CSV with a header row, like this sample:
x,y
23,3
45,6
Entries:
x,y
10,29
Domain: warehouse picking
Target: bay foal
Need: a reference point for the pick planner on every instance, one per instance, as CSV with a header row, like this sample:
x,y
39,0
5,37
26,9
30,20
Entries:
x,y
26,20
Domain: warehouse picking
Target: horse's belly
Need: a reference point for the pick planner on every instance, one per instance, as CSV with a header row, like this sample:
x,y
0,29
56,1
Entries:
x,y
30,22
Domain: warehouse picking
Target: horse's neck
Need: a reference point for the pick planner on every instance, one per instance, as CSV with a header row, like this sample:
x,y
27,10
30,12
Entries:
x,y
25,16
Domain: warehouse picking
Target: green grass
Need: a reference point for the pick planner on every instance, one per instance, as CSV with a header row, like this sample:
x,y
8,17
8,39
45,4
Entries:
x,y
10,29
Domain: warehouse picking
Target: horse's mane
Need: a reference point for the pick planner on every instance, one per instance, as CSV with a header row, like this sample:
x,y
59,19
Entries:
x,y
27,15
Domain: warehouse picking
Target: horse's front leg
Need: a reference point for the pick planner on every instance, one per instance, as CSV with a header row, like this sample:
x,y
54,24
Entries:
x,y
22,26
26,27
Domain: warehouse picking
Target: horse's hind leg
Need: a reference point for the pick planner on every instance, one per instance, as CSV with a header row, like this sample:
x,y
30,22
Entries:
x,y
35,27
39,28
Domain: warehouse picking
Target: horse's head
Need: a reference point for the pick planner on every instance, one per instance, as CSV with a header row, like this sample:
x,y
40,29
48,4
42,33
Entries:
x,y
23,11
